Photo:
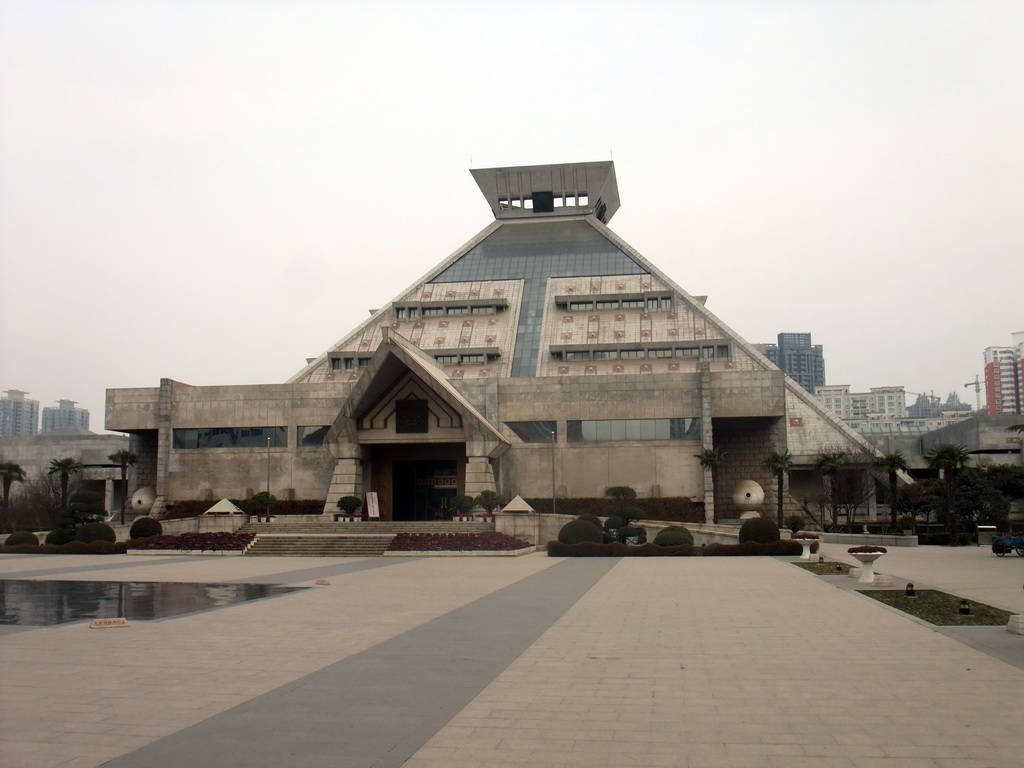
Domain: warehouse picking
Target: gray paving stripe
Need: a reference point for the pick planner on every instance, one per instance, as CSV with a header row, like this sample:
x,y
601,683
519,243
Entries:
x,y
347,565
100,566
378,707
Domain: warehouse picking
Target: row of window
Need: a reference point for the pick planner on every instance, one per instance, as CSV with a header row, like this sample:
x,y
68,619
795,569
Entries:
x,y
412,313
704,352
651,304
606,430
348,363
247,437
461,359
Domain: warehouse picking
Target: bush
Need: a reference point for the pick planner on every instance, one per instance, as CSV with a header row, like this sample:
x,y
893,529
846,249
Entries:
x,y
60,536
461,505
96,532
620,493
488,500
905,523
673,536
795,523
613,523
144,527
21,537
762,530
579,531
349,504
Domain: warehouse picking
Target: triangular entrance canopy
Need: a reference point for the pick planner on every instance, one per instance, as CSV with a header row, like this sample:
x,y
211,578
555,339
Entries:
x,y
398,367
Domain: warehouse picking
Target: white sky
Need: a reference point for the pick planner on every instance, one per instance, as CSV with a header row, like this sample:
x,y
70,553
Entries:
x,y
213,191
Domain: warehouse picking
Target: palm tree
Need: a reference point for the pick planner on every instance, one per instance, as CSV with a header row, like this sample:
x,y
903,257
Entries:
x,y
949,458
10,473
829,463
891,464
66,467
125,458
710,458
779,465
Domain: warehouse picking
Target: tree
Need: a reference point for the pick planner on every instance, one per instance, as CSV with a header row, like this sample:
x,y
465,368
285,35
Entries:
x,y
829,464
710,458
65,467
10,473
978,498
949,459
126,459
779,465
891,464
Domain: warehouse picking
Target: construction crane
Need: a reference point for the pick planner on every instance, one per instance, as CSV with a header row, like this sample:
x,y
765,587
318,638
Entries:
x,y
977,391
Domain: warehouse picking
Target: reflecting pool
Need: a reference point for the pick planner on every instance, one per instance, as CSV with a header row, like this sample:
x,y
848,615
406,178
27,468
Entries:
x,y
43,603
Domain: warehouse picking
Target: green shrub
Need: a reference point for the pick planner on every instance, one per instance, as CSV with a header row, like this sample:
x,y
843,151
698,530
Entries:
x,y
628,514
591,519
60,536
461,505
763,530
349,504
144,527
673,536
905,523
617,549
579,531
613,523
620,493
21,537
795,523
673,509
96,532
489,500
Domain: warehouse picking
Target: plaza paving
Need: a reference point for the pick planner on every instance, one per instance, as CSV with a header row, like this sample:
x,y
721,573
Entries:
x,y
529,661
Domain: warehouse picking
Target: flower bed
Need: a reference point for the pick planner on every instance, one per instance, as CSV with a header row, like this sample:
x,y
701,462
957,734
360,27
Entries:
x,y
456,542
195,542
867,549
805,537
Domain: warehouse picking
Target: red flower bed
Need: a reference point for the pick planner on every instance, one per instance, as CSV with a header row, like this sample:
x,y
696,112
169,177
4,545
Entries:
x,y
219,542
867,549
455,542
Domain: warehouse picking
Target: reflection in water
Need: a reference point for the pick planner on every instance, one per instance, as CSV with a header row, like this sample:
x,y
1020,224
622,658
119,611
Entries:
x,y
42,603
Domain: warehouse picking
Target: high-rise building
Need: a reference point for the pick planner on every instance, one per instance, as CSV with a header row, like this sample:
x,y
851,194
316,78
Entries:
x,y
798,358
879,403
1004,378
65,418
19,416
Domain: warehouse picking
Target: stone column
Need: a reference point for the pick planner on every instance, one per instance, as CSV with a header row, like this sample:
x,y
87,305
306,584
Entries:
x,y
164,444
347,480
479,476
707,440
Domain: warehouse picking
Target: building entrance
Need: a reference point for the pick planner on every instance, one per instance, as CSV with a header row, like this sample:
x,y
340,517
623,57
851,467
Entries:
x,y
422,489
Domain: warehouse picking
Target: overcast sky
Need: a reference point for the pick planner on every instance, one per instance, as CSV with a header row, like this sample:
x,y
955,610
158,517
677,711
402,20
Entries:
x,y
214,191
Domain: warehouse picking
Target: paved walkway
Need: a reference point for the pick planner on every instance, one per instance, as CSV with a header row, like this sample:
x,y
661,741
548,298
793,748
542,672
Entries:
x,y
532,661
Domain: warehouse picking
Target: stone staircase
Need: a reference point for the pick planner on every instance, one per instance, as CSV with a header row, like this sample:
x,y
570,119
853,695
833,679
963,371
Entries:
x,y
302,538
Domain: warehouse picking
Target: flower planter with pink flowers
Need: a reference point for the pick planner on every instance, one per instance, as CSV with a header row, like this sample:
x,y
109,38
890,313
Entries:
x,y
867,555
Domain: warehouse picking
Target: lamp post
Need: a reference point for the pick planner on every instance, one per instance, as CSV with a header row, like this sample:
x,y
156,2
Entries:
x,y
554,488
268,476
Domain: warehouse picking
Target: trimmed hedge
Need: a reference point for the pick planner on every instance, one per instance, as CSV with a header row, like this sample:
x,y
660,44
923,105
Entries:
x,y
22,537
144,527
579,531
96,532
71,548
616,549
675,509
760,529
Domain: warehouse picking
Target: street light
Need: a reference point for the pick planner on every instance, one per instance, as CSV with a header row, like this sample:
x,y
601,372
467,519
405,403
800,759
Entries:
x,y
554,488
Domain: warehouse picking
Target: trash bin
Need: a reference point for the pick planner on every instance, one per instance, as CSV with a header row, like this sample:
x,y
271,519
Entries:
x,y
985,535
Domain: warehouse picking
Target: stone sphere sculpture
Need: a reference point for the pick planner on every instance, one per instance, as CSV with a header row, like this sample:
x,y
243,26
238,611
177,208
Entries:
x,y
143,500
748,497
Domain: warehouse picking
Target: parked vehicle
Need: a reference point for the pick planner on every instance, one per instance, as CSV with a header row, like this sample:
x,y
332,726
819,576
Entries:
x,y
1005,544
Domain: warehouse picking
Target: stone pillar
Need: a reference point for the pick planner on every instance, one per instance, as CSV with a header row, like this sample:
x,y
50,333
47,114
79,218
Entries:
x,y
707,440
164,444
479,476
347,480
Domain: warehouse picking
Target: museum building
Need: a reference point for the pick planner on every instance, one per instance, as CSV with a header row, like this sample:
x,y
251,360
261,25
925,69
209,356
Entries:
x,y
545,356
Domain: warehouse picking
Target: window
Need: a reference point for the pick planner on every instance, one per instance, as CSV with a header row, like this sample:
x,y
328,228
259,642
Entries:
x,y
722,352
687,352
336,363
312,435
632,354
652,303
607,305
666,303
632,429
606,354
632,303
363,362
470,359
577,355
400,313
458,310
230,437
433,311
660,353
580,306
707,353
533,431
484,310
447,359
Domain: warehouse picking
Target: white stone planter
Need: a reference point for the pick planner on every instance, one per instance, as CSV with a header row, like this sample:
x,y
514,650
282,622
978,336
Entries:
x,y
805,554
867,561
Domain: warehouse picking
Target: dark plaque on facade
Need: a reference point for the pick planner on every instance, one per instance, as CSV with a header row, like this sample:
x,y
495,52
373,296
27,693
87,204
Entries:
x,y
411,416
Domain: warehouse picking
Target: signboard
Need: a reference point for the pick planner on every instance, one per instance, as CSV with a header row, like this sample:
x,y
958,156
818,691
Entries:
x,y
372,506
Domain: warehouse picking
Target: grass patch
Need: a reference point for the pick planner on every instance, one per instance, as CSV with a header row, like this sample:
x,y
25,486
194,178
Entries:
x,y
940,608
825,569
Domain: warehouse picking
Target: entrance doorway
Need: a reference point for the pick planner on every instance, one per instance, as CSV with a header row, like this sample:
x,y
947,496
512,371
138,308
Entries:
x,y
422,489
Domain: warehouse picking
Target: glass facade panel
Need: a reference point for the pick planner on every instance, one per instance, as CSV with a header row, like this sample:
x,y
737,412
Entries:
x,y
312,435
535,253
585,431
533,431
230,437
